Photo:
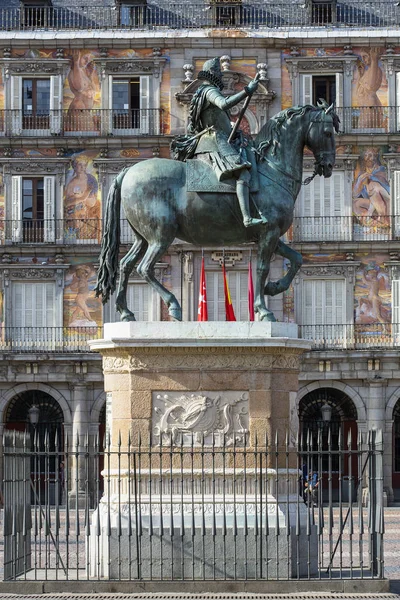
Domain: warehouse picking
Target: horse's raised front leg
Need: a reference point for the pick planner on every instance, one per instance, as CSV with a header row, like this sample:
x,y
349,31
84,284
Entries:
x,y
126,266
266,247
146,270
296,260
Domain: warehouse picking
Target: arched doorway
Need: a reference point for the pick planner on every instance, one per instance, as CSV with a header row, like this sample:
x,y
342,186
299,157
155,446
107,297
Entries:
x,y
396,451
327,416
39,415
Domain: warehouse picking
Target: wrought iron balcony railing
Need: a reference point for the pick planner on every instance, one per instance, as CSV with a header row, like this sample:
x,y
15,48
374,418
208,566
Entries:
x,y
47,339
82,231
79,231
89,122
355,336
353,228
208,14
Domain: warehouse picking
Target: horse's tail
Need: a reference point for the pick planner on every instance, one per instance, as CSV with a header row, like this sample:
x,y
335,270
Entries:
x,y
108,269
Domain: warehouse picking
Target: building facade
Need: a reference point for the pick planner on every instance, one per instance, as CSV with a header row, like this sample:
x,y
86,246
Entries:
x,y
88,90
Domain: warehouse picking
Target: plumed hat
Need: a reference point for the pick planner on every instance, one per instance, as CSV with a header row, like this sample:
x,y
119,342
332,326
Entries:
x,y
211,72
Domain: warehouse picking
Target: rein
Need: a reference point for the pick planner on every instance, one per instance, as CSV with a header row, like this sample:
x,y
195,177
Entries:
x,y
307,180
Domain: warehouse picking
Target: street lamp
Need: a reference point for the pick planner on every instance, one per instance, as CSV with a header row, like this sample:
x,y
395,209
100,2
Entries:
x,y
326,411
33,415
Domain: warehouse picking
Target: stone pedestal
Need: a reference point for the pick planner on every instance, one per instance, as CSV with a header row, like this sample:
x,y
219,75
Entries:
x,y
211,385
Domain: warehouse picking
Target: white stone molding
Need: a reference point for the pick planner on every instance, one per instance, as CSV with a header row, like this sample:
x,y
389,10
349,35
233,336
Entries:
x,y
35,67
200,418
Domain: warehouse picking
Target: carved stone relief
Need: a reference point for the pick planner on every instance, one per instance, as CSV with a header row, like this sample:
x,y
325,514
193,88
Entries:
x,y
200,418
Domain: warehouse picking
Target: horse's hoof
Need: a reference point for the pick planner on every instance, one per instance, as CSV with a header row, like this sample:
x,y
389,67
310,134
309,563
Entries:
x,y
269,317
127,318
175,313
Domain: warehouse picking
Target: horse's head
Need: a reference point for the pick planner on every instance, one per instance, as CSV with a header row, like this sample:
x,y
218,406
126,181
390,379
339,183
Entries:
x,y
320,138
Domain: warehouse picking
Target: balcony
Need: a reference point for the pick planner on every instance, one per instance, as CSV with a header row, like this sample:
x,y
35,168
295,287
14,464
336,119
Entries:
x,y
353,228
87,122
378,336
162,14
68,232
47,339
369,119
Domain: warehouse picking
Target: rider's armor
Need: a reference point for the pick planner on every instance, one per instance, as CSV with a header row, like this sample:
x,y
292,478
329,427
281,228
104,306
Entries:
x,y
208,133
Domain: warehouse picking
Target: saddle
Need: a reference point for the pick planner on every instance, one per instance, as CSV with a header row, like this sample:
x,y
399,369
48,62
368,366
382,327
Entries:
x,y
200,177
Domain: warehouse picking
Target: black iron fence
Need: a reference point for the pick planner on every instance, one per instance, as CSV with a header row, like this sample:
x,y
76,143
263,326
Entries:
x,y
282,15
48,339
92,122
187,510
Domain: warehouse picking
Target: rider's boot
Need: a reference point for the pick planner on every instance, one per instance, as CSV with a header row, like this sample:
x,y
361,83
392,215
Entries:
x,y
242,190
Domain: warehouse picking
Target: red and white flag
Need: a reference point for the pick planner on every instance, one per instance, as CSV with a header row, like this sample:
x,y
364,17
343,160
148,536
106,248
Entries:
x,y
202,313
250,293
229,312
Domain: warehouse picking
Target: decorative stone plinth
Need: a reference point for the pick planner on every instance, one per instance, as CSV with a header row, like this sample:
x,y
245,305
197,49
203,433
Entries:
x,y
203,387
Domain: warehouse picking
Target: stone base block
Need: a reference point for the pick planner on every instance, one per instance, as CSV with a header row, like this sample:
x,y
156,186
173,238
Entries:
x,y
221,543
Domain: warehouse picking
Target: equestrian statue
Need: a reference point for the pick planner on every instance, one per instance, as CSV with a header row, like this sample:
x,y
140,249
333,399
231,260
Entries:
x,y
219,189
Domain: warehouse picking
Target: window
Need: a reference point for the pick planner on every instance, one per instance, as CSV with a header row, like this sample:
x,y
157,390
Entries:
x,y
396,438
33,203
238,287
34,314
395,201
132,13
36,105
226,15
396,310
323,12
130,104
322,212
323,310
139,300
36,13
328,87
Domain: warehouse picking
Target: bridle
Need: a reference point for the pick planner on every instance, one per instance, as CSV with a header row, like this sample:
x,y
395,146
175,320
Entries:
x,y
319,159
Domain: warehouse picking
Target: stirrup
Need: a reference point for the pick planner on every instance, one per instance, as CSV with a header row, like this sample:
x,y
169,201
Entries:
x,y
249,222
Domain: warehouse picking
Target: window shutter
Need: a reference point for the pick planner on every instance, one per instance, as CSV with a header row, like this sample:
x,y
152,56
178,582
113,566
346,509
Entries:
x,y
49,205
16,105
16,209
306,95
107,115
395,192
398,101
144,104
396,309
55,104
324,309
339,90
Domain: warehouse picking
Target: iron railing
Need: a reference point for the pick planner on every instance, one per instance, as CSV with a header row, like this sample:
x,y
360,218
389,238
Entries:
x,y
214,14
104,122
83,231
339,228
186,510
48,339
80,231
355,336
90,122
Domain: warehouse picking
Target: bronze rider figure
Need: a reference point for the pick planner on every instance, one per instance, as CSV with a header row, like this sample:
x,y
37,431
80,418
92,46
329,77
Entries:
x,y
208,134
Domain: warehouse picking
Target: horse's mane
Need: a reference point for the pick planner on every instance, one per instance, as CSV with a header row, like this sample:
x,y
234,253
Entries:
x,y
269,134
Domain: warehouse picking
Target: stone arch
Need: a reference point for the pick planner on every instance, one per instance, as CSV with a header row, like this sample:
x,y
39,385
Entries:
x,y
391,403
97,406
337,385
26,387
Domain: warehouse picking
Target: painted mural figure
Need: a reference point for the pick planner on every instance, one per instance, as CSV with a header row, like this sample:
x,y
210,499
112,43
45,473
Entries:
x,y
81,199
371,190
371,308
80,284
82,85
208,136
368,82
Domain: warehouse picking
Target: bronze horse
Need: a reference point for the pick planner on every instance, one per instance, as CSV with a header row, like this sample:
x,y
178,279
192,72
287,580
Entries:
x,y
159,208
